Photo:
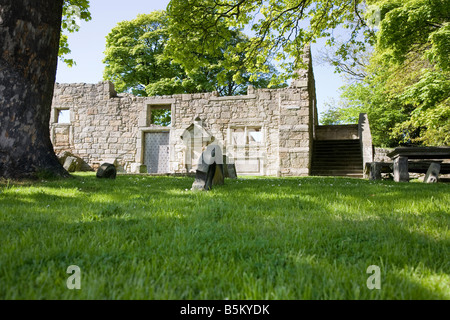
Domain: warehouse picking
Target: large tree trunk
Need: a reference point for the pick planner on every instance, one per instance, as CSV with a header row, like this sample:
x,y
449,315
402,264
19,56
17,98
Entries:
x,y
29,40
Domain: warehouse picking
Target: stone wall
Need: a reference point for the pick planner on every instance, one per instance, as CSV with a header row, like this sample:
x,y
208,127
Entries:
x,y
103,126
380,155
266,132
337,132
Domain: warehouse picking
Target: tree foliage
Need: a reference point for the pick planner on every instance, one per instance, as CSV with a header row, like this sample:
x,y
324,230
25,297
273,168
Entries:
x,y
73,12
407,87
133,56
138,61
412,64
352,67
280,28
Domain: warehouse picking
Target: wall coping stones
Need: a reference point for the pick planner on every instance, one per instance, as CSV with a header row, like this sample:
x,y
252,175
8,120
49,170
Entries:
x,y
155,129
159,101
247,97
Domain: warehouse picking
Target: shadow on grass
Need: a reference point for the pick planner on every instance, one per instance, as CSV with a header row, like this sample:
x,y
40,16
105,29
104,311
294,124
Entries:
x,y
146,237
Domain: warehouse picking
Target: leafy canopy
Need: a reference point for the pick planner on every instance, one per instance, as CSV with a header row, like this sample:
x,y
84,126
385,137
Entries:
x,y
137,60
133,55
280,30
407,88
73,12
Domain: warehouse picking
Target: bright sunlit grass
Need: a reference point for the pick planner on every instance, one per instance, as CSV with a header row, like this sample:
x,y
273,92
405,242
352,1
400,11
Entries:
x,y
141,237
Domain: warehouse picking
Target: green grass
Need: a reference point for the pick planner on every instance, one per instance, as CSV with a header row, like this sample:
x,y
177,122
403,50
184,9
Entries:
x,y
141,237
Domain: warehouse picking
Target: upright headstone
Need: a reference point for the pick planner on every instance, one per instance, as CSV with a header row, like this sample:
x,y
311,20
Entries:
x,y
375,171
229,169
107,171
210,169
401,169
432,174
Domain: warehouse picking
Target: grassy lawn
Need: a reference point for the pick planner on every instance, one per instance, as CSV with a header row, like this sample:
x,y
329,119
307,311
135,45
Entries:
x,y
141,237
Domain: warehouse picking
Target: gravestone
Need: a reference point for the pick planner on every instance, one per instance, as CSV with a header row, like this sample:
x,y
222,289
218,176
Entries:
x,y
107,171
71,164
210,170
375,171
229,169
432,174
401,169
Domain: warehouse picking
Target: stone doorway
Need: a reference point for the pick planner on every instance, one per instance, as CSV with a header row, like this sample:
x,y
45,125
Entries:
x,y
156,152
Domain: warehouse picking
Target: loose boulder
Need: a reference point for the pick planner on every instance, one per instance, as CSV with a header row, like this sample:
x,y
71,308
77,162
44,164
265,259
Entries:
x,y
210,170
107,171
73,163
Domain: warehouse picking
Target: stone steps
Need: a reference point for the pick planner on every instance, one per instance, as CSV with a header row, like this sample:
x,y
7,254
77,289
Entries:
x,y
337,158
339,174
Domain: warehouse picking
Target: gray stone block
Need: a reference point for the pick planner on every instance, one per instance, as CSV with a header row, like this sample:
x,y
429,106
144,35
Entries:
x,y
210,170
229,169
138,168
71,164
432,174
401,169
107,171
375,171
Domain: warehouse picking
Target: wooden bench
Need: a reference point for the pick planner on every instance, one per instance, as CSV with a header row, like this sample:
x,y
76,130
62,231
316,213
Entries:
x,y
426,156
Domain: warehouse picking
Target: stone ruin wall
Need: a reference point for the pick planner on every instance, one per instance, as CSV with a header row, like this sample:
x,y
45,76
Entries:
x,y
106,127
103,126
380,154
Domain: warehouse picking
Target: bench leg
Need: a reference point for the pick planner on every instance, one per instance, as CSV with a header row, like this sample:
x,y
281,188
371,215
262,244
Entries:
x,y
401,169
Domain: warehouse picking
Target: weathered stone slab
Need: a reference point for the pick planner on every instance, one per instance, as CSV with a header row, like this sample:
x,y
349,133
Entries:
x,y
218,177
138,168
432,174
107,171
401,169
375,171
71,164
210,170
229,169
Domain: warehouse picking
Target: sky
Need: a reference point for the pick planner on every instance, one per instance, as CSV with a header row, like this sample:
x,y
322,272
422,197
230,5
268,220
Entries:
x,y
88,46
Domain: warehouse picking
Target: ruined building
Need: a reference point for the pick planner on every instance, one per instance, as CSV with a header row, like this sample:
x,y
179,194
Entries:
x,y
266,132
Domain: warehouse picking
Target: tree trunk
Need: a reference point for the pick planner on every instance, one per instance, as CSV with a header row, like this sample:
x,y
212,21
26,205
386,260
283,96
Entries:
x,y
29,41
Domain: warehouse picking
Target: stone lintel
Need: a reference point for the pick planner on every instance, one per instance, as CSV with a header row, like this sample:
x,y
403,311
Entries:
x,y
293,150
155,128
298,127
158,101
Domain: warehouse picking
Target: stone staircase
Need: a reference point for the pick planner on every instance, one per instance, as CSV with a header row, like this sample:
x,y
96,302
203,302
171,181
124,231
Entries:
x,y
337,158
